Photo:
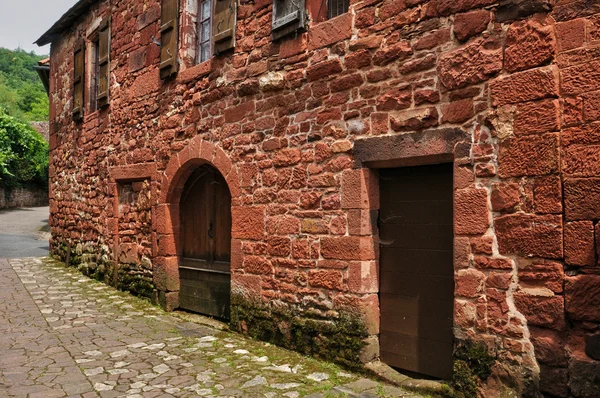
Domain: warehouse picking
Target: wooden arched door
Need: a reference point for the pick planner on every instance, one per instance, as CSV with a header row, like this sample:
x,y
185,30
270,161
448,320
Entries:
x,y
204,269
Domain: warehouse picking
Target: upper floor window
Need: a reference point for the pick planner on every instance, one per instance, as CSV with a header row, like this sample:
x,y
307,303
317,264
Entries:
x,y
204,30
337,7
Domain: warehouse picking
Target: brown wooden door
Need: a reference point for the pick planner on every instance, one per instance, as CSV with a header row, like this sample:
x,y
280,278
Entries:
x,y
204,270
416,269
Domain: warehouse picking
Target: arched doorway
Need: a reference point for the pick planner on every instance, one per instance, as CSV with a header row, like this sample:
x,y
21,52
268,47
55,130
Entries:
x,y
204,269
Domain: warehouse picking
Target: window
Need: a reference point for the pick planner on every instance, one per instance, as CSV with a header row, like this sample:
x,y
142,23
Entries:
x,y
337,7
204,30
288,17
95,72
78,79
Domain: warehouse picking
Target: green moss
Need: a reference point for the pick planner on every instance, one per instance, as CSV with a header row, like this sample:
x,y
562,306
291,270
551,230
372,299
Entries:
x,y
472,364
337,340
135,284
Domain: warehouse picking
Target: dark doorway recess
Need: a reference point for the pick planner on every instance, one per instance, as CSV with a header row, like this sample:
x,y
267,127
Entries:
x,y
416,269
204,269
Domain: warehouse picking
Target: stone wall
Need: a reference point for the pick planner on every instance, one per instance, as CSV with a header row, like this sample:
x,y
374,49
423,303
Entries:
x,y
23,197
507,90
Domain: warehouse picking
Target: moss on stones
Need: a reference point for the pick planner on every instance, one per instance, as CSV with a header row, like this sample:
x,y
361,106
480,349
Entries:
x,y
337,340
134,283
472,364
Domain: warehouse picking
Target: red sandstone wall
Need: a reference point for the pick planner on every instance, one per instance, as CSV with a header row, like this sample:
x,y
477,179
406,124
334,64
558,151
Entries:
x,y
280,121
23,197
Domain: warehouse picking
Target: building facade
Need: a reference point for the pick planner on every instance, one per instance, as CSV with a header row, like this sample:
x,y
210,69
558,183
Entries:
x,y
356,180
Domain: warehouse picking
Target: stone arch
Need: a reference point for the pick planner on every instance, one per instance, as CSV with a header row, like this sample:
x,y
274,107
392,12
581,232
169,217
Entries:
x,y
166,219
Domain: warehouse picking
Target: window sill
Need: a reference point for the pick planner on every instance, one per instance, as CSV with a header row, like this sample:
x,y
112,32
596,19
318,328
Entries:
x,y
195,72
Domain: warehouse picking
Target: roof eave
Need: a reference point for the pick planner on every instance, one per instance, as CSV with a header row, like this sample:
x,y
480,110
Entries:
x,y
64,22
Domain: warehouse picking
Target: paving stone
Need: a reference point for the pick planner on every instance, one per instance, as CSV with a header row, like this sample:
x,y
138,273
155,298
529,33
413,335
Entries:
x,y
62,334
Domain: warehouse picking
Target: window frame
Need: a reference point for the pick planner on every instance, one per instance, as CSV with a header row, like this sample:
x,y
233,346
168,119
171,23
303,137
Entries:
x,y
341,5
200,40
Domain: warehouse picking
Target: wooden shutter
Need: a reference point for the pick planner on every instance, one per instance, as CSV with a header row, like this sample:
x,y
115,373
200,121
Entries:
x,y
78,79
288,17
169,22
103,63
224,25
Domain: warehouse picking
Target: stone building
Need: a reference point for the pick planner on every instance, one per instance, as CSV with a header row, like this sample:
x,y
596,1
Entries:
x,y
355,179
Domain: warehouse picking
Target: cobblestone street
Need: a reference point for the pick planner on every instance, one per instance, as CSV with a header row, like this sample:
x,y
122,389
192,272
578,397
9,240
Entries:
x,y
63,334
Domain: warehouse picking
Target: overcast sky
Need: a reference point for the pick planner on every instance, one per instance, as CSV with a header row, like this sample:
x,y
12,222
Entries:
x,y
23,21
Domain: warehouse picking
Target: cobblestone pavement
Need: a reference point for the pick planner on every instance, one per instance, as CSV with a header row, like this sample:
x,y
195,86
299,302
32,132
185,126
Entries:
x,y
63,334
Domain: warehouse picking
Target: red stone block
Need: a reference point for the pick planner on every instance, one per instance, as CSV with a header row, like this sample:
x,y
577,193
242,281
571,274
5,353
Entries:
x,y
329,32
586,134
471,213
328,279
257,265
415,120
473,63
597,235
246,286
363,277
165,273
457,111
247,222
579,243
166,218
470,24
349,248
469,283
239,112
283,225
580,79
525,86
546,311
582,161
570,34
542,274
279,246
482,245
360,189
505,196
499,280
323,69
582,196
483,262
399,51
362,222
465,314
314,226
549,346
432,40
530,235
167,245
529,156
357,60
582,297
396,99
528,44
547,195
537,117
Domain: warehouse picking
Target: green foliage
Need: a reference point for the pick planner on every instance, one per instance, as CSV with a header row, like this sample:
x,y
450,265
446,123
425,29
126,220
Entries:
x,y
472,363
23,154
22,94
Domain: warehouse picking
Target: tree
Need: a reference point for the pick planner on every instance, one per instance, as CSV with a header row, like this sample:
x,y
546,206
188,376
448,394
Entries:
x,y
22,94
23,154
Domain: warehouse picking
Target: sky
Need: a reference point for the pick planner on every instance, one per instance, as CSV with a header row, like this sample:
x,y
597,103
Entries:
x,y
23,21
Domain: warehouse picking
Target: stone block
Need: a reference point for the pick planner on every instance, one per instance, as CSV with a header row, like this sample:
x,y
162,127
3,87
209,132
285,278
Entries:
x,y
525,86
579,243
471,213
530,235
247,222
582,297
